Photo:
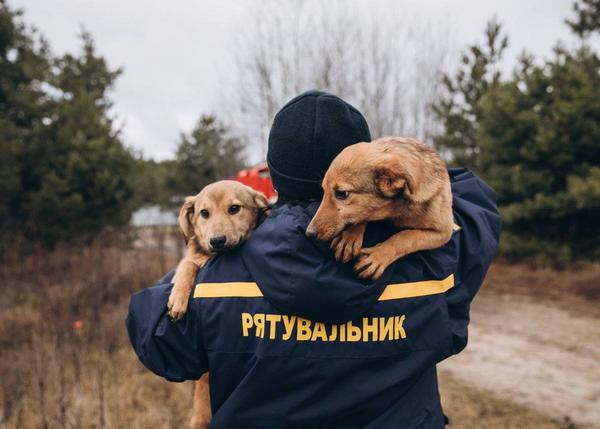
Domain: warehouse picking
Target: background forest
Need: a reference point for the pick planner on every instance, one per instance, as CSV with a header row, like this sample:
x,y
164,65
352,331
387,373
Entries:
x,y
532,135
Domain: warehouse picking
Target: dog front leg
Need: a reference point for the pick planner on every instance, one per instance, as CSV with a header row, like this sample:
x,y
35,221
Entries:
x,y
347,245
374,260
183,280
201,412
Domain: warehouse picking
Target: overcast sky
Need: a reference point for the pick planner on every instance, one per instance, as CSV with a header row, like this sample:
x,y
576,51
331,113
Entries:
x,y
174,52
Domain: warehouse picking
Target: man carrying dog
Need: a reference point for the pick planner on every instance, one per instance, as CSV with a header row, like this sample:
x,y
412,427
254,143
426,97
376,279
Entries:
x,y
295,340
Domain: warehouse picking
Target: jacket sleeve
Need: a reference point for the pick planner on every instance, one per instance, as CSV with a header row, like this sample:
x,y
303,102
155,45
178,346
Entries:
x,y
475,211
173,350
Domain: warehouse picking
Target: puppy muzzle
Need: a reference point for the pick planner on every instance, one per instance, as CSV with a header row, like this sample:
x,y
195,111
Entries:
x,y
311,231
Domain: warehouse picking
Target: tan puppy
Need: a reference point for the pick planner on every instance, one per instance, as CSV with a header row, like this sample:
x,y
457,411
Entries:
x,y
393,178
219,218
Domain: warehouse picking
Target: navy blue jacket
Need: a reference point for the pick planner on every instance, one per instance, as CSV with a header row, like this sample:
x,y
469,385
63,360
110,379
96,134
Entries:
x,y
294,340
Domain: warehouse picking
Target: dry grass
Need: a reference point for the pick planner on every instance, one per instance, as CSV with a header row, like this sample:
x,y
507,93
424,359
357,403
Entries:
x,y
65,361
575,288
470,408
55,374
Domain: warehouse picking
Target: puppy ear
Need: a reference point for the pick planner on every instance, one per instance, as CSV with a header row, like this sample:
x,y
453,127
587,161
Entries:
x,y
185,218
262,204
260,200
391,183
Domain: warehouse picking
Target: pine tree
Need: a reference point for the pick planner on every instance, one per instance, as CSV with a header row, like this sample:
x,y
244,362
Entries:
x,y
539,135
459,111
79,178
534,138
24,64
587,18
64,171
205,155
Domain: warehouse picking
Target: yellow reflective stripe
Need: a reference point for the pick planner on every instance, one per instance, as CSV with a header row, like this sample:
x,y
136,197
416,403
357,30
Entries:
x,y
414,289
456,227
392,291
227,290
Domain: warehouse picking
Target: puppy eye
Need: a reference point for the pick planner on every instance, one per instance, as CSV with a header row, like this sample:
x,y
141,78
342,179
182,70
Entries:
x,y
204,213
341,195
234,208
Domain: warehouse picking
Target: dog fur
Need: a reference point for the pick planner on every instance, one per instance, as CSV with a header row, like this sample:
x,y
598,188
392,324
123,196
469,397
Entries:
x,y
394,178
218,219
225,210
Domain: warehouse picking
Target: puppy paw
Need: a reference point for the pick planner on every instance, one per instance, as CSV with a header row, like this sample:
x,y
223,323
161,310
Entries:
x,y
372,262
347,245
177,304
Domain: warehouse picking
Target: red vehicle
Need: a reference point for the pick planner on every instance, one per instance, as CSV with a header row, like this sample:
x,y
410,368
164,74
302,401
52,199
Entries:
x,y
258,177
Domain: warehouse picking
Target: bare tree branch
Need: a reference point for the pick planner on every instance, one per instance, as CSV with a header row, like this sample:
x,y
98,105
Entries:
x,y
378,56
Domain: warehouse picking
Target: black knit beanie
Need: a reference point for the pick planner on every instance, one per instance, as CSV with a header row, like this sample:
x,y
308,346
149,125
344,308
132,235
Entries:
x,y
307,134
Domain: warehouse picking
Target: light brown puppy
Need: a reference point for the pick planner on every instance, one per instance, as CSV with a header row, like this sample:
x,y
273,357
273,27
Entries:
x,y
395,178
219,218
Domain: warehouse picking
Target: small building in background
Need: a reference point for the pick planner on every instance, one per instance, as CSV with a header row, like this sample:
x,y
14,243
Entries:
x,y
155,215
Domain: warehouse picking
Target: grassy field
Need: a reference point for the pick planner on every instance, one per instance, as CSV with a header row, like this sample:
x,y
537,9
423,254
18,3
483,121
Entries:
x,y
65,361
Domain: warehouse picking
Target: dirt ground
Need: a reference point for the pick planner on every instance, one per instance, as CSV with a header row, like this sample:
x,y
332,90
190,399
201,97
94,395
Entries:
x,y
534,350
469,407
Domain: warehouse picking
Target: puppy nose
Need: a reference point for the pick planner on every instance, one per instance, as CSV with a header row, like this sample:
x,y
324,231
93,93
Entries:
x,y
311,231
218,242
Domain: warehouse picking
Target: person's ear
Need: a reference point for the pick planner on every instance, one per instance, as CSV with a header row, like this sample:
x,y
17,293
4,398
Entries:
x,y
391,183
186,213
262,204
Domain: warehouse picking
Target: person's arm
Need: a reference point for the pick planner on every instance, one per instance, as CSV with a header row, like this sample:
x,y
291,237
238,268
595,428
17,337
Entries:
x,y
475,211
173,350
